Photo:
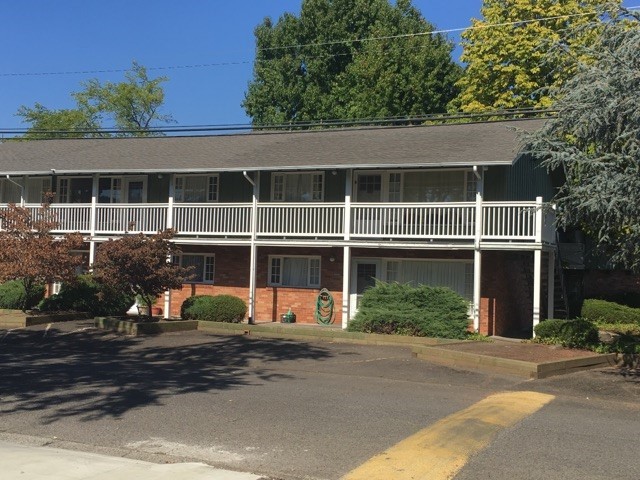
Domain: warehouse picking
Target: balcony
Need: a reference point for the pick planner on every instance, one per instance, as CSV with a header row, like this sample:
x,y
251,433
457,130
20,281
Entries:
x,y
501,221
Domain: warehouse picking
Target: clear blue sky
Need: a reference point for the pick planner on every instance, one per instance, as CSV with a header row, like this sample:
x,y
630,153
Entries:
x,y
89,35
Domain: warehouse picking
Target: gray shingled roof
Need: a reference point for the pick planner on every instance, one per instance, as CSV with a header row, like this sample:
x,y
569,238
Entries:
x,y
492,143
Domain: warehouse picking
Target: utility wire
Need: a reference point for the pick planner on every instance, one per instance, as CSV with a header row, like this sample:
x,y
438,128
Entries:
x,y
318,44
379,121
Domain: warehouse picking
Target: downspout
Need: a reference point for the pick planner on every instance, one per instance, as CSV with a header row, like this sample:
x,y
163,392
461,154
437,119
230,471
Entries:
x,y
21,189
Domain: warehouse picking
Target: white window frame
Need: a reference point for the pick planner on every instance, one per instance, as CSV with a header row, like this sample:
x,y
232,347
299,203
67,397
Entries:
x,y
279,260
66,179
213,187
466,173
208,260
283,176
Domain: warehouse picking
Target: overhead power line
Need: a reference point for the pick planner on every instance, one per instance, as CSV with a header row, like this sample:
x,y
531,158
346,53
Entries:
x,y
305,45
380,121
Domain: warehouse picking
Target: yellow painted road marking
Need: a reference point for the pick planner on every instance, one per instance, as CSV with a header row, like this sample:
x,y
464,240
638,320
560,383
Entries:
x,y
441,450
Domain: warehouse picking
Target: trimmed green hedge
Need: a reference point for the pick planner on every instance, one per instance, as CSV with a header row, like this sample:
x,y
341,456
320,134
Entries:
x,y
12,295
219,308
578,333
400,309
602,311
87,295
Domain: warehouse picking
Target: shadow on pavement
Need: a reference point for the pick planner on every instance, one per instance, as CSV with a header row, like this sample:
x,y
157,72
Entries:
x,y
93,374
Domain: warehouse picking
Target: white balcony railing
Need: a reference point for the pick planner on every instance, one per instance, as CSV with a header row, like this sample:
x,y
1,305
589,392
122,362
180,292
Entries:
x,y
501,221
301,220
414,220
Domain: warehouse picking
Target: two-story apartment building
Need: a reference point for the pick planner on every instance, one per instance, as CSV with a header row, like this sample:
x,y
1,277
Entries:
x,y
275,217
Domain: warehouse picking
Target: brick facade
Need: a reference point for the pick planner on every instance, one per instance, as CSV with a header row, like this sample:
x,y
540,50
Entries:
x,y
506,304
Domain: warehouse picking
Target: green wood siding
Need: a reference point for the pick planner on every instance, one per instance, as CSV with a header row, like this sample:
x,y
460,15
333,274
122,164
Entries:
x,y
234,188
523,181
158,188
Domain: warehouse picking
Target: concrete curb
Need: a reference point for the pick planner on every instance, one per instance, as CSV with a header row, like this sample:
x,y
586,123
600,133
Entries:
x,y
327,334
18,319
507,366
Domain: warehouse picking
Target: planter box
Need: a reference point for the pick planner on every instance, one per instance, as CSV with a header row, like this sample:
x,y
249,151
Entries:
x,y
133,327
19,319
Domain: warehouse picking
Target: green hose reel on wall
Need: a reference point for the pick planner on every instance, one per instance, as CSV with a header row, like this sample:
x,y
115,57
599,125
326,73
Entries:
x,y
324,307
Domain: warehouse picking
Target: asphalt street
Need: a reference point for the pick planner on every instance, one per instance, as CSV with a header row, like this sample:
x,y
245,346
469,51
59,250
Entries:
x,y
293,410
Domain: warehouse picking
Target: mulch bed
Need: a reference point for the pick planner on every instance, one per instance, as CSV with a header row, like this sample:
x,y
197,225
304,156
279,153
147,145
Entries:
x,y
527,352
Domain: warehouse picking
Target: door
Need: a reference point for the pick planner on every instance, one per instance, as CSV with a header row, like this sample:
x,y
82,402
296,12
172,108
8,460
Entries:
x,y
135,190
364,273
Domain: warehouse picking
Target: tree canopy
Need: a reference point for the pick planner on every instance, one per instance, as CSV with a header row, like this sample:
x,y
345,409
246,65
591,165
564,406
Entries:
x,y
139,264
30,254
509,65
595,140
133,107
333,62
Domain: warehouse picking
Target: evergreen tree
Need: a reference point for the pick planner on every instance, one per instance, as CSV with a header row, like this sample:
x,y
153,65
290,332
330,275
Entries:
x,y
595,140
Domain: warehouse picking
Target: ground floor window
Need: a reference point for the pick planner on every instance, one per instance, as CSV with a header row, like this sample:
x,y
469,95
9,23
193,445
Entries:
x,y
203,267
454,274
294,271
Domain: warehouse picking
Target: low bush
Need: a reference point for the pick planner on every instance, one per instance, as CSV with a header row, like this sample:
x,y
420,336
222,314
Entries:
x,y
578,333
219,308
87,295
13,295
393,308
602,311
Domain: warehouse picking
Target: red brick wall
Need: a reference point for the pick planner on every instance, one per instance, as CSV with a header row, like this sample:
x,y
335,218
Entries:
x,y
506,304
232,278
507,291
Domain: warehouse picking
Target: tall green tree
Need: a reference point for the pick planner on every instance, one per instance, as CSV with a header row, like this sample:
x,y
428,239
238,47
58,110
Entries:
x,y
507,51
324,64
595,140
134,106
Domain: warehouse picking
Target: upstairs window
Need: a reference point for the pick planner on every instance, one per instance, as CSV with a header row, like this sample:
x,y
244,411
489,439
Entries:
x,y
294,271
37,188
297,187
196,188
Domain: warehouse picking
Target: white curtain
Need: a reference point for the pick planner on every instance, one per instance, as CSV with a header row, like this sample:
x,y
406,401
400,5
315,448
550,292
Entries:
x,y
195,189
435,274
298,188
295,272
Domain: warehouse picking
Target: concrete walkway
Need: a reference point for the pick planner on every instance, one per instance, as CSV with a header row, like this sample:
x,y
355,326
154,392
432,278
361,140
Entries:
x,y
40,463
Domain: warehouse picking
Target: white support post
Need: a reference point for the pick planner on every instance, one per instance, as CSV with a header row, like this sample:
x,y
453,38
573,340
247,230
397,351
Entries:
x,y
170,200
539,219
477,252
169,224
346,256
346,276
537,283
551,284
254,249
93,219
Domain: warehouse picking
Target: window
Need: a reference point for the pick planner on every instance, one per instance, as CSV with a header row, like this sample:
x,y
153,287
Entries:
x,y
75,190
456,275
37,188
294,271
110,190
297,187
196,188
416,186
203,267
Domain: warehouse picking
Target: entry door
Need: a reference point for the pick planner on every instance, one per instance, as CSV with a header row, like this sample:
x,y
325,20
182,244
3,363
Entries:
x,y
369,187
135,190
363,275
